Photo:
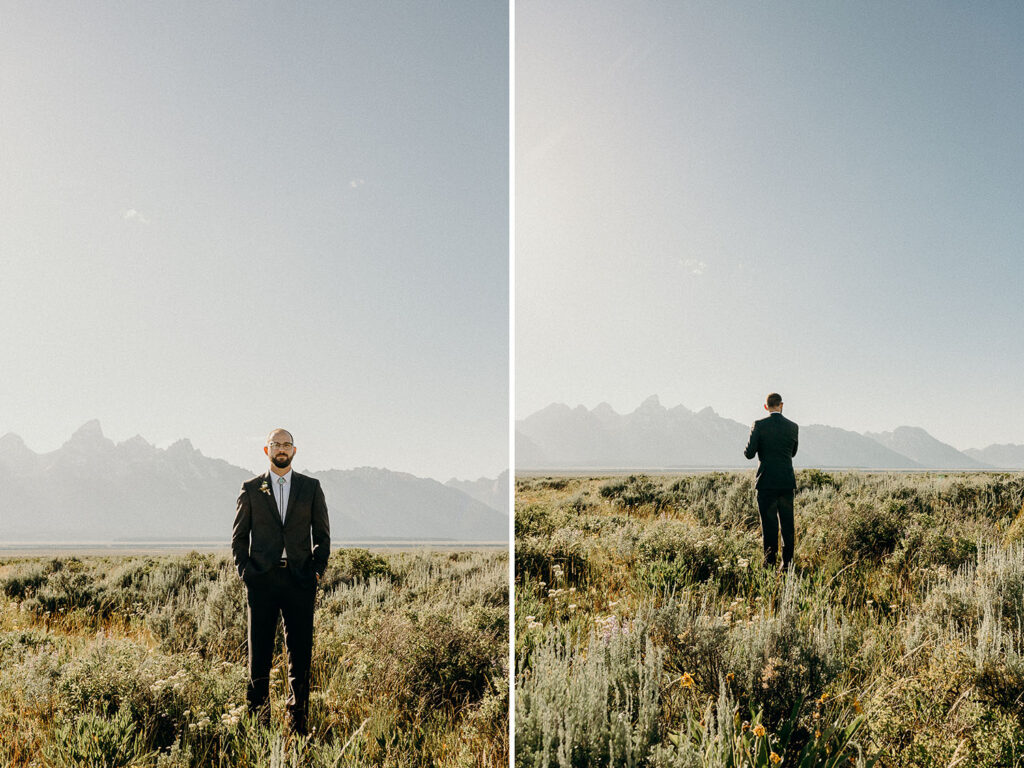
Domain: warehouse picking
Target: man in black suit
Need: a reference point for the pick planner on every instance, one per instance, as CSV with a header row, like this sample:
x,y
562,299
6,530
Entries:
x,y
281,540
774,440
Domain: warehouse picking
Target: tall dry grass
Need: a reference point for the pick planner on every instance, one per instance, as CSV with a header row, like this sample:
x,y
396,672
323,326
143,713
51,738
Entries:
x,y
649,634
141,661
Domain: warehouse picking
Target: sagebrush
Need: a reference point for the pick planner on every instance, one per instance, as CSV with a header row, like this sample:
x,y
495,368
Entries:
x,y
648,632
141,661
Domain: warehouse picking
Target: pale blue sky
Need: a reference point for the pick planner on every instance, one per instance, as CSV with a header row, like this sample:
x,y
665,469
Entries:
x,y
224,217
716,200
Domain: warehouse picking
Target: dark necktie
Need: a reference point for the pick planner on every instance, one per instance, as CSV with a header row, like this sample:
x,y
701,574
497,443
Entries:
x,y
280,482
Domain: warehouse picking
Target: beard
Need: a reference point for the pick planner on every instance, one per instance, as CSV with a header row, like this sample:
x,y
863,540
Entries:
x,y
282,460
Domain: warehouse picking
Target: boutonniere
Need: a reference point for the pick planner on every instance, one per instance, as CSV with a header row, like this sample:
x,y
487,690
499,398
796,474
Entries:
x,y
265,488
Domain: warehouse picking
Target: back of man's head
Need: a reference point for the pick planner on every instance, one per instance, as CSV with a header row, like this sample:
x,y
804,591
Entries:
x,y
774,400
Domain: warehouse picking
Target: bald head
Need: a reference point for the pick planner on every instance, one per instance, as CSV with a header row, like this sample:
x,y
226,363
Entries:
x,y
280,436
280,449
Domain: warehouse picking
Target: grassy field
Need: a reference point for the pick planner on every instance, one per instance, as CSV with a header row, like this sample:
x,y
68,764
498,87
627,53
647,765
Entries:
x,y
141,661
649,634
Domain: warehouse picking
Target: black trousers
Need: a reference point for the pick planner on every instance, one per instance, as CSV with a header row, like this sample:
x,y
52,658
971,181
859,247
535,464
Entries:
x,y
275,593
776,508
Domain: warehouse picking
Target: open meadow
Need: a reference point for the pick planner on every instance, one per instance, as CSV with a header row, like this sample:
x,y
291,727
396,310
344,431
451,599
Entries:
x,y
141,661
649,634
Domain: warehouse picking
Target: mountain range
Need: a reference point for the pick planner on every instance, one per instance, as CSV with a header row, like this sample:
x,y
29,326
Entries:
x,y
653,436
491,491
93,489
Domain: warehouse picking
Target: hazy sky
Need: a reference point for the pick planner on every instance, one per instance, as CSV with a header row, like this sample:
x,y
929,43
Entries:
x,y
224,217
717,200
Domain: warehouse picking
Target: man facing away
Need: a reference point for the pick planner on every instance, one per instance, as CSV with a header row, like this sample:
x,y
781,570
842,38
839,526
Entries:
x,y
774,440
280,541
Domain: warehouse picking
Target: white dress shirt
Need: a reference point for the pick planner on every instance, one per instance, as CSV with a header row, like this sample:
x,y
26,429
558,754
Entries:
x,y
281,491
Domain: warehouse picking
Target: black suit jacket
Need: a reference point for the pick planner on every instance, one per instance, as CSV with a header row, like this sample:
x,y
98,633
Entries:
x,y
258,536
774,440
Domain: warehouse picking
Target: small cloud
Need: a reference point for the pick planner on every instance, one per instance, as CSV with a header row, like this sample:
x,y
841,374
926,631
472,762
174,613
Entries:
x,y
694,266
356,183
133,215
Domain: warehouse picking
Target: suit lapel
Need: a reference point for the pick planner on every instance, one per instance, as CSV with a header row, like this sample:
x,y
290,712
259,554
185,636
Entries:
x,y
270,480
293,492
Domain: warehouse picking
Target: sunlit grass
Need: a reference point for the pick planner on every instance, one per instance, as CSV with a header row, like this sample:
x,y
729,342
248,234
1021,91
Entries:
x,y
141,661
643,610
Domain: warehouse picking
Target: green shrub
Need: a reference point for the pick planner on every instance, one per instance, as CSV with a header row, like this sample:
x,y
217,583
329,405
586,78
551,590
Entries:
x,y
447,663
719,737
352,564
814,478
15,644
68,589
94,741
553,484
599,709
636,491
564,558
579,504
533,520
868,532
28,578
782,655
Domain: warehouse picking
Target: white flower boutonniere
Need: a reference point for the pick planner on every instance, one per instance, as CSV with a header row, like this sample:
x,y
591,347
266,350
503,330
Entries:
x,y
264,488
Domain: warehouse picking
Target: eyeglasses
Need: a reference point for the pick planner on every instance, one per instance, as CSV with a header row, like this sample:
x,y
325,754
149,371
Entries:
x,y
275,446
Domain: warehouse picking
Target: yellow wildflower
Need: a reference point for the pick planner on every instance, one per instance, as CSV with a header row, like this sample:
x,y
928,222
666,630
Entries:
x,y
729,677
857,707
774,758
759,731
686,680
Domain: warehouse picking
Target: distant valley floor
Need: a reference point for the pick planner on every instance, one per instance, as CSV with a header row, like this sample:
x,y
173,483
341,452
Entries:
x,y
91,548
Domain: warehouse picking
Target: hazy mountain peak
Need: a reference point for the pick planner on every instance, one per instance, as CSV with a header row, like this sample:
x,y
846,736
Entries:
x,y
492,492
652,403
89,436
88,431
707,412
383,475
993,447
926,450
554,408
916,431
137,447
605,415
14,454
181,446
12,442
903,432
1003,455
